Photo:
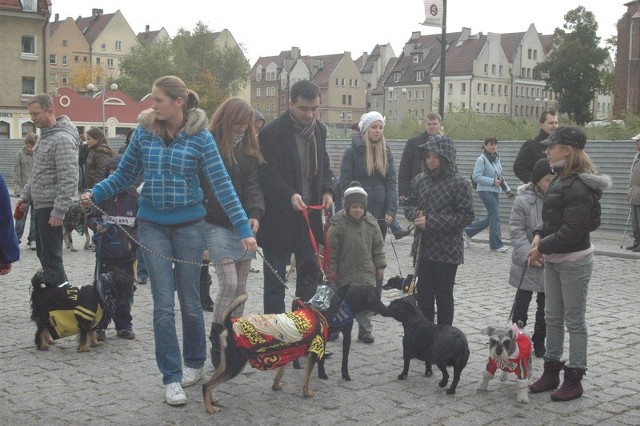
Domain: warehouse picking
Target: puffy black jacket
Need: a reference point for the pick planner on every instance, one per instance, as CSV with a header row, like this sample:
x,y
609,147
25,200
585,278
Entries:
x,y
530,152
570,211
410,163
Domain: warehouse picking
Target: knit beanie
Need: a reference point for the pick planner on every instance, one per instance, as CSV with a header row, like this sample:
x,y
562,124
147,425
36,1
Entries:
x,y
368,119
540,170
355,194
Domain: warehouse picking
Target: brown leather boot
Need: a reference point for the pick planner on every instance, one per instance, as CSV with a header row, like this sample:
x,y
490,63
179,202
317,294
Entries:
x,y
571,387
550,377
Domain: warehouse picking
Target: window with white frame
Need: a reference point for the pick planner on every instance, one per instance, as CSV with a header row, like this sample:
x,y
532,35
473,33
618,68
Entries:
x,y
493,89
65,43
52,59
357,83
110,63
103,46
419,75
450,88
257,92
4,130
76,59
479,88
98,61
64,60
409,95
463,88
417,58
422,94
28,85
500,70
493,69
29,5
118,45
396,77
486,68
28,45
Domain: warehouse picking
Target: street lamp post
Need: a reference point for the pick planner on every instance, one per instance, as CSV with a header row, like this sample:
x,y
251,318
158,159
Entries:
x,y
91,88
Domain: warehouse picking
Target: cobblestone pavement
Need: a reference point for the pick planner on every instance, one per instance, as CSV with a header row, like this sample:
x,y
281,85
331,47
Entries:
x,y
119,382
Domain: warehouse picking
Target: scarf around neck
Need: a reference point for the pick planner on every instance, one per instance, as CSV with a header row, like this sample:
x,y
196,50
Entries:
x,y
308,132
492,157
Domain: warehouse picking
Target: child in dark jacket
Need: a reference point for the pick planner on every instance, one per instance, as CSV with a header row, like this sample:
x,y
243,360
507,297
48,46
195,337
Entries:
x,y
114,249
356,250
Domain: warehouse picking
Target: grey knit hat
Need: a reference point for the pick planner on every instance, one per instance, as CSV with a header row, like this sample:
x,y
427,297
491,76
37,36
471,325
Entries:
x,y
355,194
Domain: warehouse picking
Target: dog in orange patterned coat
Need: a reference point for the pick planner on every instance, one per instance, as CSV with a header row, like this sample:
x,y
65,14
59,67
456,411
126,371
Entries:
x,y
271,341
509,351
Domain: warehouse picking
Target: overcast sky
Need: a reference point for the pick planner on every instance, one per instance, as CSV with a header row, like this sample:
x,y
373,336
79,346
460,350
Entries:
x,y
334,26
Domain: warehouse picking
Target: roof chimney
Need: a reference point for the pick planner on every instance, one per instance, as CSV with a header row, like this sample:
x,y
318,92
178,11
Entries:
x,y
57,17
96,13
146,28
295,52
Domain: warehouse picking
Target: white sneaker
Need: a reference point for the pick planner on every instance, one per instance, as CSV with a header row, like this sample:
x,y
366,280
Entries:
x,y
467,240
502,249
190,376
174,395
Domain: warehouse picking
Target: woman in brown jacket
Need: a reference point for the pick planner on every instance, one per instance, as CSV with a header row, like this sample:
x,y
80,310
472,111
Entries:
x,y
100,155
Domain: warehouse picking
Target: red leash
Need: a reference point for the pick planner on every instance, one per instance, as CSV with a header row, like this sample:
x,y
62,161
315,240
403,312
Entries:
x,y
324,264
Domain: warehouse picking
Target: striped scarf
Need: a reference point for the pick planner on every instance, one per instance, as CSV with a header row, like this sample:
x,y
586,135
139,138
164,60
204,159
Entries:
x,y
308,132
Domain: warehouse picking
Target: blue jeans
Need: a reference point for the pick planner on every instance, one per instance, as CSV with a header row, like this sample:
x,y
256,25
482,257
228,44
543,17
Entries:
x,y
491,203
141,272
32,224
565,288
49,248
167,277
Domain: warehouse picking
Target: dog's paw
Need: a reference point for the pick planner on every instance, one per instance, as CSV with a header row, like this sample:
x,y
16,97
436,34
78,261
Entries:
x,y
43,347
484,385
402,376
451,391
308,393
323,376
84,349
523,398
503,376
276,387
443,383
346,376
73,249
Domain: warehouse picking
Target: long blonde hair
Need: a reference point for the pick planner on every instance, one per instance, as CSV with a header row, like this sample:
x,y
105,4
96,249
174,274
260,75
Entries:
x,y
375,155
234,111
578,161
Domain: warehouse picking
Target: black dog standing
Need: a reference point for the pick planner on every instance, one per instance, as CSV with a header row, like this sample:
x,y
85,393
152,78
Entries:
x,y
442,345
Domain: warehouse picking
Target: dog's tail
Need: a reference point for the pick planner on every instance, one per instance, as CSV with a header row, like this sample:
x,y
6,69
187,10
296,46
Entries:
x,y
226,314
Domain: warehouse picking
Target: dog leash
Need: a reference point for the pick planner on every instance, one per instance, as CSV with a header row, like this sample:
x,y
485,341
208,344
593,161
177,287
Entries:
x,y
172,259
284,284
323,261
393,246
513,307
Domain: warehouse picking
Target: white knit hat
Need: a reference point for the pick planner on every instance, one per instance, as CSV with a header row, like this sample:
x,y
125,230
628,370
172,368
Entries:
x,y
355,194
636,137
368,119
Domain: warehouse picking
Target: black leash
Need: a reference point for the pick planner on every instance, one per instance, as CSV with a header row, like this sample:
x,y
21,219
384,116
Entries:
x,y
513,307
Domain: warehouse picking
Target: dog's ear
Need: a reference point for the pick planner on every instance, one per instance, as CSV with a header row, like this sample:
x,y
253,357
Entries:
x,y
489,331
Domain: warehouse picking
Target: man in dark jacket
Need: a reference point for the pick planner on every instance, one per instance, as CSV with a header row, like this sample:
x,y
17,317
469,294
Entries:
x,y
295,174
532,150
411,161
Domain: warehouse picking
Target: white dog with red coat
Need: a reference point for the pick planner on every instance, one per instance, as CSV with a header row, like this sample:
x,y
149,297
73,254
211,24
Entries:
x,y
509,351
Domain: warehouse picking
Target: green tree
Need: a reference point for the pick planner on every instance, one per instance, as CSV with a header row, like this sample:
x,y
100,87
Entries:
x,y
214,73
143,65
571,68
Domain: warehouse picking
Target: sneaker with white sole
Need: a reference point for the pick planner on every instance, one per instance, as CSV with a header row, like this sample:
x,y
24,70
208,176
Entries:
x,y
467,240
190,376
174,395
502,249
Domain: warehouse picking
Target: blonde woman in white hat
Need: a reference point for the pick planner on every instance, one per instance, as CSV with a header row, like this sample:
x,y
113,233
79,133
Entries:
x,y
369,161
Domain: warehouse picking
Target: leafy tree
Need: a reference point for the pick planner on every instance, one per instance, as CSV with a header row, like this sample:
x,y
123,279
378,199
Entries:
x,y
81,75
571,68
214,73
143,65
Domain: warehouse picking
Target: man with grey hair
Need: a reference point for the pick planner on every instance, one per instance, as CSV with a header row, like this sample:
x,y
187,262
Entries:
x,y
634,196
52,184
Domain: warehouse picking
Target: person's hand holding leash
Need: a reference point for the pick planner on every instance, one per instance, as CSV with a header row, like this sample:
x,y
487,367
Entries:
x,y
249,244
327,201
420,221
86,200
297,203
255,225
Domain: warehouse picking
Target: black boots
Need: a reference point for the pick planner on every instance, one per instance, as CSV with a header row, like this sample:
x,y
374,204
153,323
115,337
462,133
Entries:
x,y
571,386
214,337
550,379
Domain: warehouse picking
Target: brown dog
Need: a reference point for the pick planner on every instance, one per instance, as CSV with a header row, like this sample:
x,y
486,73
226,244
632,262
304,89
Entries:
x,y
278,339
75,220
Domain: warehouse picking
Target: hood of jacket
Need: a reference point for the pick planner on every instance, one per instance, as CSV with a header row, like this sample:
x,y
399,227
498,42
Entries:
x,y
356,140
62,126
103,148
196,120
596,182
443,146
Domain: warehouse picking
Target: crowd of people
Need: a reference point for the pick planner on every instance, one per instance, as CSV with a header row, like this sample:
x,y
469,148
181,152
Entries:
x,y
183,185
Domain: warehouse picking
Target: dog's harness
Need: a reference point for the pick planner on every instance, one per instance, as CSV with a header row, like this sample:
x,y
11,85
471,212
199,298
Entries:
x,y
270,341
70,309
519,362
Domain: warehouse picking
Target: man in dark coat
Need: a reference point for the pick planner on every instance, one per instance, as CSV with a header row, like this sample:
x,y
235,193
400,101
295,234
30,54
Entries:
x,y
411,161
295,175
532,150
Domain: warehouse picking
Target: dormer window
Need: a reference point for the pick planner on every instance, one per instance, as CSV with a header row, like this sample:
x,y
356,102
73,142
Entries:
x,y
417,58
419,75
396,77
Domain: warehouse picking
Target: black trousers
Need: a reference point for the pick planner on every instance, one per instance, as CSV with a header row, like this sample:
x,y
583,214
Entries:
x,y
520,313
435,284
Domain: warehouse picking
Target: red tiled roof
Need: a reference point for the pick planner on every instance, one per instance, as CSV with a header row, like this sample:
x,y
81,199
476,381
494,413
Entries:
x,y
16,6
93,26
329,65
118,105
460,56
510,43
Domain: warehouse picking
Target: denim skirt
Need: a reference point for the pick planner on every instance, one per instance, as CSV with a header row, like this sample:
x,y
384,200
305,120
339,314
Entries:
x,y
224,243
